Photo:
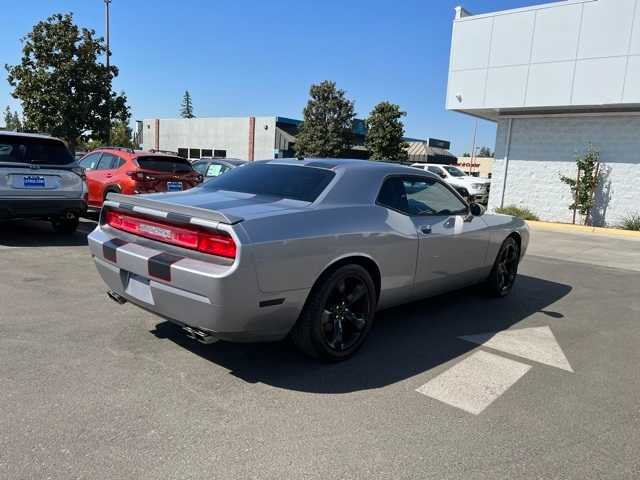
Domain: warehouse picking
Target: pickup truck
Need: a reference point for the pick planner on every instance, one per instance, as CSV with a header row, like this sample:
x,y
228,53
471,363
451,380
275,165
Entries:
x,y
474,189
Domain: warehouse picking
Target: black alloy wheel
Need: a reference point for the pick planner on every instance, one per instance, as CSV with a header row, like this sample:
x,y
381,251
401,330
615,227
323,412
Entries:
x,y
505,269
338,314
345,313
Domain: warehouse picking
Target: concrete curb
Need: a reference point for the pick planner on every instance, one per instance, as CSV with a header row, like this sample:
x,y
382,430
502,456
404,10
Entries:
x,y
567,227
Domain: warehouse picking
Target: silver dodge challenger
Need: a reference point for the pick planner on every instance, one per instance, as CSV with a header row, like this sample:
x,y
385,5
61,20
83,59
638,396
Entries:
x,y
305,248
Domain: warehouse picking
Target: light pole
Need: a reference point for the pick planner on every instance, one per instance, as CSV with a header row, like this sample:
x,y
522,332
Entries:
x,y
108,54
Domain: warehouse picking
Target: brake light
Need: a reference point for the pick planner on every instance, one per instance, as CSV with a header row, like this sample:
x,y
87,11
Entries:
x,y
218,243
137,176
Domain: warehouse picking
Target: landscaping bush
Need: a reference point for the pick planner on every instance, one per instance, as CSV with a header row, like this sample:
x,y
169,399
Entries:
x,y
632,222
523,213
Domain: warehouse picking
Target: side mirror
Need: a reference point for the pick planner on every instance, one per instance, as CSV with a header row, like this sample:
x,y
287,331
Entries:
x,y
476,209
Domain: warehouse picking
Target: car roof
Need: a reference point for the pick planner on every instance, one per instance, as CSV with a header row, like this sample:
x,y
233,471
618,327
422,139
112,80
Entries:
x,y
336,164
29,135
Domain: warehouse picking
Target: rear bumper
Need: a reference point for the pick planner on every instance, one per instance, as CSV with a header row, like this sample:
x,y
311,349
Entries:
x,y
222,300
40,207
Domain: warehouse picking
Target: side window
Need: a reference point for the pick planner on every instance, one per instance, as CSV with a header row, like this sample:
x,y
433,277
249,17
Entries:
x,y
438,171
107,162
418,196
90,162
215,170
200,167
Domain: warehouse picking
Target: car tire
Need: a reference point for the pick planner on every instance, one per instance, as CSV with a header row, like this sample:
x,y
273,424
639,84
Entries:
x,y
66,226
337,316
505,269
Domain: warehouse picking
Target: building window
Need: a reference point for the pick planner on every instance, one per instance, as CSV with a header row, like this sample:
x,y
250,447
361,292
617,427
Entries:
x,y
220,153
183,152
194,153
206,152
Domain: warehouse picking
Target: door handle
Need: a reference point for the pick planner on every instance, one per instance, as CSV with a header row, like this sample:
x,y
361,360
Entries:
x,y
426,229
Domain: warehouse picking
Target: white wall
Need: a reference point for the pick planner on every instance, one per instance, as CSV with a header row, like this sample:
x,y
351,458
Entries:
x,y
230,134
568,53
544,148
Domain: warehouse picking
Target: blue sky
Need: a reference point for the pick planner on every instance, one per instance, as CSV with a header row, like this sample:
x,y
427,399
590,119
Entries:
x,y
248,57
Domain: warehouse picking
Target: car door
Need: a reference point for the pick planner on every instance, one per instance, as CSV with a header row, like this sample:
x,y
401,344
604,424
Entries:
x,y
452,243
90,165
103,177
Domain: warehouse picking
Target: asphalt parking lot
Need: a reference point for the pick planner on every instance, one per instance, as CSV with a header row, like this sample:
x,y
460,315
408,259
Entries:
x,y
90,389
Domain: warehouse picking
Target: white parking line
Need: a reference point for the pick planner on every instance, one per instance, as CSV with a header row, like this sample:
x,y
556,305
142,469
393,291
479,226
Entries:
x,y
476,382
537,344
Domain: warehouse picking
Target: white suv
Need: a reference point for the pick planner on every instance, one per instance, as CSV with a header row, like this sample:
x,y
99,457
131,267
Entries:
x,y
39,178
475,189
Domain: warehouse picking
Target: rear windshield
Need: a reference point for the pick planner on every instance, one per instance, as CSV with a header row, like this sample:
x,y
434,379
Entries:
x,y
37,151
165,164
282,181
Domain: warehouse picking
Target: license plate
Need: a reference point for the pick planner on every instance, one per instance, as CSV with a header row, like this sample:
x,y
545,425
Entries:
x,y
174,186
33,181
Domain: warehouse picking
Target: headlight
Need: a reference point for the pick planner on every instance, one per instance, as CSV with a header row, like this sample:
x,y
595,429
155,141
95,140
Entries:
x,y
477,186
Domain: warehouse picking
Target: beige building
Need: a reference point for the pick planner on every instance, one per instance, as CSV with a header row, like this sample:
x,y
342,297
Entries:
x,y
477,166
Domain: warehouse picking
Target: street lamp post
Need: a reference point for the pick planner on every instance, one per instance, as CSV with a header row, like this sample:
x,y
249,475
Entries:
x,y
108,54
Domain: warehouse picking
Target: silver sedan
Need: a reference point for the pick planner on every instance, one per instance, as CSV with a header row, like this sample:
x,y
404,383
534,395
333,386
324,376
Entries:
x,y
306,248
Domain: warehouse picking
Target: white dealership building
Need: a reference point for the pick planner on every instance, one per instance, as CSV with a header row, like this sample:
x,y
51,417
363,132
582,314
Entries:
x,y
554,77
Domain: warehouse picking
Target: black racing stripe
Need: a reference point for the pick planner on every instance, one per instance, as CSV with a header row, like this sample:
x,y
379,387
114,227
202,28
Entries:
x,y
178,218
160,265
271,303
110,247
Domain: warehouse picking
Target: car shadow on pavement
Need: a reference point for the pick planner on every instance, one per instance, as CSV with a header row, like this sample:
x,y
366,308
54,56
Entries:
x,y
32,233
405,341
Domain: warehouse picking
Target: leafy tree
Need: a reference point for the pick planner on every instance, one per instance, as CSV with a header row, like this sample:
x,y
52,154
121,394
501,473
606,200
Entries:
x,y
12,121
584,186
327,127
63,88
121,136
485,152
385,133
186,108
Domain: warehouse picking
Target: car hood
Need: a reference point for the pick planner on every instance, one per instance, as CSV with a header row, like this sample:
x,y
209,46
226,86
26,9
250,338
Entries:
x,y
233,204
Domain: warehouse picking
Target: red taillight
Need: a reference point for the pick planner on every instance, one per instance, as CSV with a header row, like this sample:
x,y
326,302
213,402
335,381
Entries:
x,y
137,176
220,244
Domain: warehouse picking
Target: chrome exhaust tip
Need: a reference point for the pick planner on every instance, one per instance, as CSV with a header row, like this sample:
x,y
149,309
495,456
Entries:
x,y
199,335
119,299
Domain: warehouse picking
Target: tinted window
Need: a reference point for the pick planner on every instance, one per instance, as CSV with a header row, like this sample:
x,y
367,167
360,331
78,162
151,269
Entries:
x,y
194,153
183,152
220,153
436,170
200,167
107,162
207,152
39,151
165,164
454,172
90,162
416,196
283,181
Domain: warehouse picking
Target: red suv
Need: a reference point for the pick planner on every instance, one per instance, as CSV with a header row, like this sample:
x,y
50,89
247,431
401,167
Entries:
x,y
123,170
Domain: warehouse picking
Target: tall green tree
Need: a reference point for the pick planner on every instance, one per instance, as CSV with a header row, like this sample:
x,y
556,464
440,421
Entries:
x,y
485,152
385,133
12,120
63,88
327,127
186,108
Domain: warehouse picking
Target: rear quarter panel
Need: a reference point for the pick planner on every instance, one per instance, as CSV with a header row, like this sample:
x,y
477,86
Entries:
x,y
500,227
291,251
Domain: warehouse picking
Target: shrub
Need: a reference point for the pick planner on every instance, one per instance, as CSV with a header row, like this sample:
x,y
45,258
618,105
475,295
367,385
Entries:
x,y
523,213
631,222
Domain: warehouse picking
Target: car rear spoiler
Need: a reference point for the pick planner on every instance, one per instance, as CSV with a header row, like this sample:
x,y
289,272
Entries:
x,y
157,208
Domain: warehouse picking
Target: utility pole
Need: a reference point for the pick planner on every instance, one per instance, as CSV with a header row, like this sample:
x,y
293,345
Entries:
x,y
473,149
108,54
